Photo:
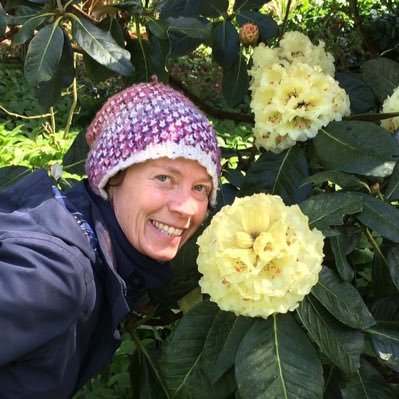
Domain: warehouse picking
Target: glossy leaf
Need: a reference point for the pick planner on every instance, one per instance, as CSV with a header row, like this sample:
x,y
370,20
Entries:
x,y
385,343
392,190
213,8
382,75
75,158
181,359
48,93
28,28
380,217
158,28
191,27
328,209
102,47
382,284
248,4
393,262
225,44
362,99
268,28
222,343
343,180
235,81
279,174
342,345
44,53
363,148
341,247
3,21
275,359
141,56
386,311
367,383
21,12
11,174
181,44
342,300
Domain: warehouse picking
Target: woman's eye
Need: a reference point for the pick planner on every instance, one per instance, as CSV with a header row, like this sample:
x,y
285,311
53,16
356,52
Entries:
x,y
162,178
202,189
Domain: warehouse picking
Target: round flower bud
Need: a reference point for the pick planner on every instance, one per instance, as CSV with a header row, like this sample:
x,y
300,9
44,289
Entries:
x,y
249,34
258,256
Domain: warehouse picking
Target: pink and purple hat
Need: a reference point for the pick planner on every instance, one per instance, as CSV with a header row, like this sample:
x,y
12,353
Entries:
x,y
149,121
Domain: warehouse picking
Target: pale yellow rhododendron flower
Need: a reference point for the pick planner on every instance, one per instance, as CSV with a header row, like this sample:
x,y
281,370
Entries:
x,y
391,104
291,103
258,256
297,47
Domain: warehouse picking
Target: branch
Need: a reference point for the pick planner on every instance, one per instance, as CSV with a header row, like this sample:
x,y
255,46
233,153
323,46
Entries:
x,y
219,114
361,29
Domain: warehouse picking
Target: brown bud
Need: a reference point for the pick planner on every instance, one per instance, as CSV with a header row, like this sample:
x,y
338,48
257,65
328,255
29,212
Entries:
x,y
249,34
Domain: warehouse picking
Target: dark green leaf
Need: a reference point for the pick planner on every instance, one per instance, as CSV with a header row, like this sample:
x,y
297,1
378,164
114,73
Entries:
x,y
181,359
382,75
341,247
381,280
392,191
22,12
213,8
385,343
158,28
27,30
191,27
160,53
48,93
366,384
275,359
225,44
342,300
380,217
3,21
328,209
235,81
361,97
279,174
341,344
343,180
101,46
363,148
386,311
44,53
75,158
141,57
181,44
393,262
268,28
248,4
222,343
11,174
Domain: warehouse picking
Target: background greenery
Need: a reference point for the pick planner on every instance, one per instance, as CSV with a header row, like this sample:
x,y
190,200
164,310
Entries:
x,y
343,341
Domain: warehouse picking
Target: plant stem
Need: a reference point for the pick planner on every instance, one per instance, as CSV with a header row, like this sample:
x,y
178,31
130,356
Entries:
x,y
52,120
23,116
372,241
74,101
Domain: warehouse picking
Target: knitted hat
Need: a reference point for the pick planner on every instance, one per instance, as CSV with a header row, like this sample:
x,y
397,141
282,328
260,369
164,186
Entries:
x,y
149,121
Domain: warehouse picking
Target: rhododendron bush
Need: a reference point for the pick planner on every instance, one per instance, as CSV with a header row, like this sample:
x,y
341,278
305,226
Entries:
x,y
290,287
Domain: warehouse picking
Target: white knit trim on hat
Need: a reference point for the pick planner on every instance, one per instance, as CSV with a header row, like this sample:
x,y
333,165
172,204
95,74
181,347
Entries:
x,y
168,150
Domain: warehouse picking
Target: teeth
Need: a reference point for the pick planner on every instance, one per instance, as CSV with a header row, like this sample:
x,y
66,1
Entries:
x,y
167,229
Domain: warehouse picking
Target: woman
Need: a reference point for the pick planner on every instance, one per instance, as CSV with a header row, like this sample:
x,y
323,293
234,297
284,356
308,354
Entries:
x,y
73,265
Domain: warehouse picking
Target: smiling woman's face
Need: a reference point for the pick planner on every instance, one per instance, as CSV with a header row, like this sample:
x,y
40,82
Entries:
x,y
160,203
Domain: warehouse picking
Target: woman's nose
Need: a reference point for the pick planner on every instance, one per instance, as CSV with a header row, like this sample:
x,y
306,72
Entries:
x,y
184,203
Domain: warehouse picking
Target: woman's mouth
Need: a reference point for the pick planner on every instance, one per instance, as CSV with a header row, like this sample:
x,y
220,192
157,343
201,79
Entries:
x,y
169,230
